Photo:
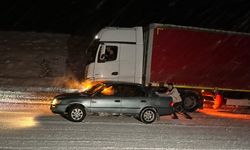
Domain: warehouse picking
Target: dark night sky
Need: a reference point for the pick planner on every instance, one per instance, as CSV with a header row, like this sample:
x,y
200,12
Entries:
x,y
87,16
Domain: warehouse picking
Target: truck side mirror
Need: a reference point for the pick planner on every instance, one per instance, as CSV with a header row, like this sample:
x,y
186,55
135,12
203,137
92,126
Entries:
x,y
102,58
101,55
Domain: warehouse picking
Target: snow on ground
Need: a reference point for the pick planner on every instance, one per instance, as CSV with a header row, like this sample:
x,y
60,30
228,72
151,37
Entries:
x,y
27,123
43,130
30,94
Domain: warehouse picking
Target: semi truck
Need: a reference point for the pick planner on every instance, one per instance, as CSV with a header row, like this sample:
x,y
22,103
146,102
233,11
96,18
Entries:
x,y
200,62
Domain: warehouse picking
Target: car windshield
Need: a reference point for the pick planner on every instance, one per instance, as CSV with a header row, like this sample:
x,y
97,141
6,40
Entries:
x,y
94,88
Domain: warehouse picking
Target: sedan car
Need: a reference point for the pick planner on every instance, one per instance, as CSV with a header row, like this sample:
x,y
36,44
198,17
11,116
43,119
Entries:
x,y
113,97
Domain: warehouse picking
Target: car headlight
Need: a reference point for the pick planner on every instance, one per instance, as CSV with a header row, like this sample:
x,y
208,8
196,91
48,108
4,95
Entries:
x,y
55,101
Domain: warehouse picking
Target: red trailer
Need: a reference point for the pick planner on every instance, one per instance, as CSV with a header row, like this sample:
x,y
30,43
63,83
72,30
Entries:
x,y
198,58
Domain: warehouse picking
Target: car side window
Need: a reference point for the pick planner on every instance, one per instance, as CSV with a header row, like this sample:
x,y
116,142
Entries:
x,y
131,91
107,91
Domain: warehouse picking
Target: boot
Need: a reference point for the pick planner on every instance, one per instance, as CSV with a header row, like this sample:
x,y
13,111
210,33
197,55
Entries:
x,y
187,116
174,116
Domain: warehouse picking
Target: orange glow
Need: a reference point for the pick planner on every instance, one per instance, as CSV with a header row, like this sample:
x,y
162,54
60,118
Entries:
x,y
85,85
18,120
207,93
217,101
216,113
25,122
81,86
108,91
73,84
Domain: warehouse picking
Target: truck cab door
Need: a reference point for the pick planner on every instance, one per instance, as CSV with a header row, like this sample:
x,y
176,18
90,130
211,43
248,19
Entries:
x,y
127,62
107,62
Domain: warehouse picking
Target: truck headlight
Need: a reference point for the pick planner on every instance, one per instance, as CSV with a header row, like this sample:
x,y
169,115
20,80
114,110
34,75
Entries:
x,y
55,101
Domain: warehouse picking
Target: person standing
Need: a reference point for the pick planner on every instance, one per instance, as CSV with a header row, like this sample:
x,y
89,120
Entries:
x,y
178,106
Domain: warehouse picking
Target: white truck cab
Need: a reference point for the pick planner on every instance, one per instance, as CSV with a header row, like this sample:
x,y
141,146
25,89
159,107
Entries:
x,y
119,55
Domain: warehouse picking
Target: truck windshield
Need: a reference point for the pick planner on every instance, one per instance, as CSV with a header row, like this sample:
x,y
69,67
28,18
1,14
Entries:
x,y
92,50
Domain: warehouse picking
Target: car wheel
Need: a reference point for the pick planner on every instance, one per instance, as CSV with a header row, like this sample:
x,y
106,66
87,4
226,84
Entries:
x,y
76,113
148,115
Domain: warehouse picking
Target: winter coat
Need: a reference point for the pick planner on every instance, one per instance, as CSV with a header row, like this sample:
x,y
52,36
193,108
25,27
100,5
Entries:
x,y
174,94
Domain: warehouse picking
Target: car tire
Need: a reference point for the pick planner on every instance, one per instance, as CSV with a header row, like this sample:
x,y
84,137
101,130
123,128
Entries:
x,y
76,113
148,115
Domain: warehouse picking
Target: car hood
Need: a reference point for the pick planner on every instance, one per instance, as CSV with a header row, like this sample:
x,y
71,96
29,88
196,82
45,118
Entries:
x,y
70,95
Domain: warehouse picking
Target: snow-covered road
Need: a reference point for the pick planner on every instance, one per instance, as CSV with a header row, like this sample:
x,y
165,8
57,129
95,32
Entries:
x,y
43,130
31,125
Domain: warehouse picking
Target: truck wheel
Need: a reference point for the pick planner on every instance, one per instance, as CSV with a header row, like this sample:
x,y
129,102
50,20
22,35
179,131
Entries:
x,y
190,102
148,115
76,113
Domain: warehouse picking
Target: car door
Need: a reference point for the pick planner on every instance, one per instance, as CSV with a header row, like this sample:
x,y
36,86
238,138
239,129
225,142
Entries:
x,y
106,100
133,99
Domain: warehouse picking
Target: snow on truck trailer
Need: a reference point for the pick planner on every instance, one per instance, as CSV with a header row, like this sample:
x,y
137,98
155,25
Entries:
x,y
197,60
